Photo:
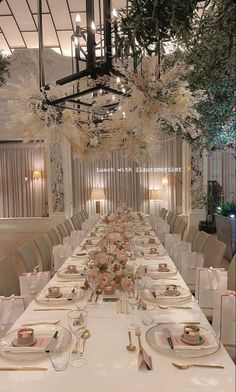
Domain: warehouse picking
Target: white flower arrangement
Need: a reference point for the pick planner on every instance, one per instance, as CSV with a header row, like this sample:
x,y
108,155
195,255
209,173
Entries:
x,y
154,106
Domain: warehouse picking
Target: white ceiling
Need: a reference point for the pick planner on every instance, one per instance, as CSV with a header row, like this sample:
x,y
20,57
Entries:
x,y
18,23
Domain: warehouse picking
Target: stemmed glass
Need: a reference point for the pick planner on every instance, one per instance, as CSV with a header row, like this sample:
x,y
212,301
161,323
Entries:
x,y
77,322
92,277
82,300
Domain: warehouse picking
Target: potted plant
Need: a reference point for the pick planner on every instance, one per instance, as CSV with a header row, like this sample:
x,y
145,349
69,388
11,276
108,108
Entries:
x,y
225,218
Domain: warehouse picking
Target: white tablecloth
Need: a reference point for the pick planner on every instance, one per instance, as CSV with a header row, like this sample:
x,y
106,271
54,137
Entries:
x,y
110,366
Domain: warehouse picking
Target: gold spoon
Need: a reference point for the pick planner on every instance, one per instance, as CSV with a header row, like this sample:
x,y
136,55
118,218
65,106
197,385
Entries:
x,y
85,335
183,367
98,292
138,334
130,346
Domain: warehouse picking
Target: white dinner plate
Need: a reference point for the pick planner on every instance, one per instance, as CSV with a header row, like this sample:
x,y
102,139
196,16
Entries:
x,y
158,341
40,331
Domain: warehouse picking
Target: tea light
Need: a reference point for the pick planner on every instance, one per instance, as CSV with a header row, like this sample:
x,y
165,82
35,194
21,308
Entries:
x,y
53,291
151,240
191,334
153,251
163,267
25,336
171,289
71,268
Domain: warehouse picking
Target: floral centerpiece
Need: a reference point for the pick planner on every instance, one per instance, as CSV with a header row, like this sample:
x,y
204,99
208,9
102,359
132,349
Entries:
x,y
111,258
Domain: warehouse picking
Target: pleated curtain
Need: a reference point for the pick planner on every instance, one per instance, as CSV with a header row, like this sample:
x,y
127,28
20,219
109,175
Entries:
x,y
126,180
20,195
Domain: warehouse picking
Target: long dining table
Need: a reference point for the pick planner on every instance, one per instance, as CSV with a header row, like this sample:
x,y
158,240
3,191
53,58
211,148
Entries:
x,y
110,366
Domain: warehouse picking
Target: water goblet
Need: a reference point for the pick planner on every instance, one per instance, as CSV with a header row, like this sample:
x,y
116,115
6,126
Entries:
x,y
92,276
77,322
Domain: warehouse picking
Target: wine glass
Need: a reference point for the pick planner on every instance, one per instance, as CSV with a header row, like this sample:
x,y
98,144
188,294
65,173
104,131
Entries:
x,y
82,300
77,322
92,276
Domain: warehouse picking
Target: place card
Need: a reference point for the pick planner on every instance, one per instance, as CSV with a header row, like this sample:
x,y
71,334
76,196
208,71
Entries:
x,y
144,360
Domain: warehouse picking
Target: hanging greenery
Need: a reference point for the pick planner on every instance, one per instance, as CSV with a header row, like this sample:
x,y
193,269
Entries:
x,y
211,53
206,38
4,69
146,23
212,46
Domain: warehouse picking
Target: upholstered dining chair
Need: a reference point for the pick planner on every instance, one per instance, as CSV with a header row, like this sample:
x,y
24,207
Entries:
x,y
181,228
62,231
172,222
176,224
83,216
192,231
213,252
54,237
200,241
45,253
163,212
9,281
85,213
168,216
28,256
79,218
76,223
232,274
69,227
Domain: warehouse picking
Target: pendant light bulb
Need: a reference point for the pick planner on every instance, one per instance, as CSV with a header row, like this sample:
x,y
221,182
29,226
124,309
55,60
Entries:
x,y
77,19
93,26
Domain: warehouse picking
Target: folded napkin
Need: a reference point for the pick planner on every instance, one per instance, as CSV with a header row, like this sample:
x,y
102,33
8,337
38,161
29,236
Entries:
x,y
41,345
66,293
209,341
160,294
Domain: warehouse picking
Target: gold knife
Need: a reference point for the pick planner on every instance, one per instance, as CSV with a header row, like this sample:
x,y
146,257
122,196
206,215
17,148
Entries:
x,y
47,309
23,369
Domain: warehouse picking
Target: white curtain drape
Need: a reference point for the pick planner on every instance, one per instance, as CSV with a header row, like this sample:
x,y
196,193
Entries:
x,y
20,195
222,168
127,180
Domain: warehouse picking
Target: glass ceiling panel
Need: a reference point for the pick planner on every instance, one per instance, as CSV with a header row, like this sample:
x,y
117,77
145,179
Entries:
x,y
3,44
76,5
49,34
34,8
19,25
58,9
31,39
22,14
10,29
65,41
4,9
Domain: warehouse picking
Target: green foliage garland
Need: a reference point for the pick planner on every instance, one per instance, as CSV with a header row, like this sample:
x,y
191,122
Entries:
x,y
148,22
4,69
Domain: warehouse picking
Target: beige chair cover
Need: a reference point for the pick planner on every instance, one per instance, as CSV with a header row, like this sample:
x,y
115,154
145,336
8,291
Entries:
x,y
28,256
9,282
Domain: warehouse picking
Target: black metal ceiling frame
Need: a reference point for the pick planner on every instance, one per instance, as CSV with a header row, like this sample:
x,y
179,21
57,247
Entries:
x,y
93,70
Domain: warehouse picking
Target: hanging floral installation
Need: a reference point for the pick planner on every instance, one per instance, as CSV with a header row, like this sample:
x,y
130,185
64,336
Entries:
x,y
152,105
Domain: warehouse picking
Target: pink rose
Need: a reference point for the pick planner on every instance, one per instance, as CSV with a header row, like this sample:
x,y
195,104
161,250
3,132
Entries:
x,y
127,283
121,256
104,278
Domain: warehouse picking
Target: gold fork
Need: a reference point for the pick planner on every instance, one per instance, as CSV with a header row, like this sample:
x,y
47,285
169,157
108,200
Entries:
x,y
183,367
